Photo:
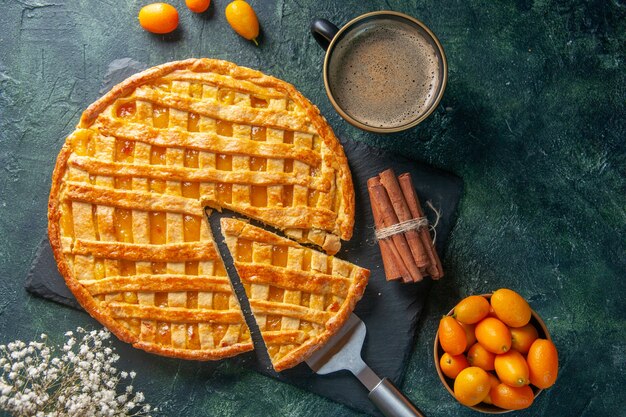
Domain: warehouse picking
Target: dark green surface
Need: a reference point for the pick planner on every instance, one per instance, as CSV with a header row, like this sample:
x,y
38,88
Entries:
x,y
533,120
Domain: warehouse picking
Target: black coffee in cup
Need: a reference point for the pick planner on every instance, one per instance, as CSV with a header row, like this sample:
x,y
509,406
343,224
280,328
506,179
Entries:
x,y
384,73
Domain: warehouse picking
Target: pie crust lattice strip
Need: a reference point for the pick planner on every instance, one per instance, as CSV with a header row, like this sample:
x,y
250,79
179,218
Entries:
x,y
299,296
131,182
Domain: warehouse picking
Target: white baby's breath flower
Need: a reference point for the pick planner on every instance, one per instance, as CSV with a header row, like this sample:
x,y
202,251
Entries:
x,y
5,389
82,381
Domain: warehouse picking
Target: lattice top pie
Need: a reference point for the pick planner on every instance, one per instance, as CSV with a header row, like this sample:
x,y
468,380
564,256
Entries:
x,y
131,183
299,296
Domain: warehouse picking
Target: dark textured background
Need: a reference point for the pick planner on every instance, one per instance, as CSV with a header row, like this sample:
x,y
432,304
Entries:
x,y
533,120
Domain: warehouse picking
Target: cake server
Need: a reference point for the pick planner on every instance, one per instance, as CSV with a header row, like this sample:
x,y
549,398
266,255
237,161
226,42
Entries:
x,y
343,352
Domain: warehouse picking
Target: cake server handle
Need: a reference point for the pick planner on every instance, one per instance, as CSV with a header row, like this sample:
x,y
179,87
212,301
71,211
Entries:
x,y
391,401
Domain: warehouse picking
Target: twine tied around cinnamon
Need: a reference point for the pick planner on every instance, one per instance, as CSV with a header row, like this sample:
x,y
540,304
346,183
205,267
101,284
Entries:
x,y
406,246
412,224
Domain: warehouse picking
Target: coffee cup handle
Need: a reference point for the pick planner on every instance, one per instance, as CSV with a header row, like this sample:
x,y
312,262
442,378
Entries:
x,y
323,31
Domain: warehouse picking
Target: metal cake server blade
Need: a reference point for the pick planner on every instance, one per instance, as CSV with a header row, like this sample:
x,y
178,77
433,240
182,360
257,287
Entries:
x,y
343,352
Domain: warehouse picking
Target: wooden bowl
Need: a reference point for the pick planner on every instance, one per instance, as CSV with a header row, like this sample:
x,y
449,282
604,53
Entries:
x,y
448,383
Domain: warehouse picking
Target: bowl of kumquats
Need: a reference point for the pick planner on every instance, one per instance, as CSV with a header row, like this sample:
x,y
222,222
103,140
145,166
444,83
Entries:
x,y
494,354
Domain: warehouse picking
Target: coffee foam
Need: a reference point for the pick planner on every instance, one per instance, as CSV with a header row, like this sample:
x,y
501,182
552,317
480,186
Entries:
x,y
384,73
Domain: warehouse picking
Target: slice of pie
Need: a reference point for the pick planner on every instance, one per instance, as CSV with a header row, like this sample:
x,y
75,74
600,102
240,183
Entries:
x,y
299,296
131,183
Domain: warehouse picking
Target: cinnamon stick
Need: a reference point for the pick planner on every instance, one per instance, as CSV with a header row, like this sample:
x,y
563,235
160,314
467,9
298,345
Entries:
x,y
435,270
389,218
392,262
390,182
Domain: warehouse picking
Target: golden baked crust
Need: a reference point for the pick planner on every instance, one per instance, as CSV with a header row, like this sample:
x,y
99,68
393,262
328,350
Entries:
x,y
131,183
299,297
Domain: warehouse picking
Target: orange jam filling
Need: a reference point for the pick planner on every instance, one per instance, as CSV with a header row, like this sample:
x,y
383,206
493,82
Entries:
x,y
192,122
163,334
67,223
258,196
157,228
195,90
272,323
258,164
219,270
226,96
159,268
193,339
220,301
130,297
288,165
80,142
287,195
127,268
160,299
258,102
305,325
192,299
191,158
313,197
157,185
218,333
126,109
276,294
330,304
224,128
288,136
160,116
305,299
317,143
123,183
259,133
224,162
123,224
191,228
244,251
157,155
225,192
306,260
280,255
191,268
191,189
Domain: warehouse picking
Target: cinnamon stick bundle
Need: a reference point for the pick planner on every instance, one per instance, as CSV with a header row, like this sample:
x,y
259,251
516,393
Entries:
x,y
410,254
389,218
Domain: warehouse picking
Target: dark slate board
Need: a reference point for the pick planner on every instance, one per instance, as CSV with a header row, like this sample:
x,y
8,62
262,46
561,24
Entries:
x,y
390,310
